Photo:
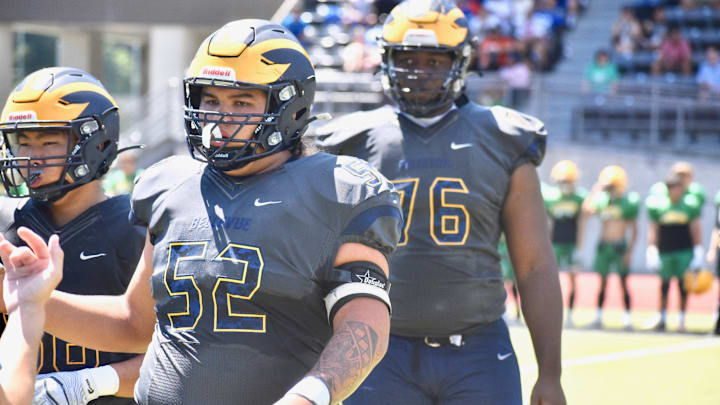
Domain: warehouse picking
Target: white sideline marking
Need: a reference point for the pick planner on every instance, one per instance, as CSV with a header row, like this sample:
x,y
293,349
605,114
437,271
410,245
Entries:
x,y
632,354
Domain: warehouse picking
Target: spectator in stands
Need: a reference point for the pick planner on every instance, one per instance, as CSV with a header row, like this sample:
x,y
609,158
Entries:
x,y
688,5
674,240
482,22
504,10
602,75
494,49
541,35
674,55
518,77
708,76
572,11
626,32
294,23
358,56
655,29
618,212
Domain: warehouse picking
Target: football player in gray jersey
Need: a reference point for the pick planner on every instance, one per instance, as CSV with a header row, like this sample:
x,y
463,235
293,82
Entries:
x,y
465,174
60,133
264,274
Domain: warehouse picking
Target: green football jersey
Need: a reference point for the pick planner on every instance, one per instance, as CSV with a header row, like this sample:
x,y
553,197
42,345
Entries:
x,y
561,206
674,220
664,212
626,207
694,189
564,210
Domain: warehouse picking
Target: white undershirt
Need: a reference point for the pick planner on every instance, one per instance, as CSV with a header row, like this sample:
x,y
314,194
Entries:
x,y
428,121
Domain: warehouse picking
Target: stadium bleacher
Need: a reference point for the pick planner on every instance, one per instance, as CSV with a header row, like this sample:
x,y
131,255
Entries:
x,y
663,108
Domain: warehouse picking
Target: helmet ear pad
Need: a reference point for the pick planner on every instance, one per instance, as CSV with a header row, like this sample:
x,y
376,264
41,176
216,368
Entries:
x,y
101,149
292,116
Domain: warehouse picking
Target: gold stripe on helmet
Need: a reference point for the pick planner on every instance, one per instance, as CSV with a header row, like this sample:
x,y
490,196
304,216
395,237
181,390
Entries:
x,y
48,106
443,25
249,65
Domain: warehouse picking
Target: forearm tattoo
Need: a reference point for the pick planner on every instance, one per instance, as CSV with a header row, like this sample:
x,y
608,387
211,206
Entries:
x,y
348,358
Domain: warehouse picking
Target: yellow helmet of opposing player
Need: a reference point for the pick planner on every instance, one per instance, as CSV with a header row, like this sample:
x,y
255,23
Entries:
x,y
698,281
614,176
564,171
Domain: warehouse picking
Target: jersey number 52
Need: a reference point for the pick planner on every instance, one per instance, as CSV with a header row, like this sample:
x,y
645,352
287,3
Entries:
x,y
226,289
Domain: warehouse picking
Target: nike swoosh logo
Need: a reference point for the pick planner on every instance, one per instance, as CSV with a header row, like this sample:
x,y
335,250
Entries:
x,y
502,357
90,389
456,146
260,204
88,257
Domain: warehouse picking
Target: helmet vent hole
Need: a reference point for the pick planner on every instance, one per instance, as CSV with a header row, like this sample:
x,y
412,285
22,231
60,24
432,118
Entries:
x,y
301,113
280,31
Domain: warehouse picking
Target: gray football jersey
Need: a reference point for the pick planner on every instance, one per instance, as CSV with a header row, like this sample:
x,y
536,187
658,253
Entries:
x,y
452,178
241,267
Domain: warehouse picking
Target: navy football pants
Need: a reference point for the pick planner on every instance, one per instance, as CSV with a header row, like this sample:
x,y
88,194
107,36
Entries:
x,y
484,371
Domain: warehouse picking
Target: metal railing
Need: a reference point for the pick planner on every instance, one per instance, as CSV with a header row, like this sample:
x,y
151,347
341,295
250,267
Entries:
x,y
654,114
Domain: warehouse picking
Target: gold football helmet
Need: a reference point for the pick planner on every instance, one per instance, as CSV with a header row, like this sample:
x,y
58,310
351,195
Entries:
x,y
429,26
249,54
63,100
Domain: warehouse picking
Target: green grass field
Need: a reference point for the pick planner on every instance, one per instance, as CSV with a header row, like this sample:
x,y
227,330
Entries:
x,y
615,367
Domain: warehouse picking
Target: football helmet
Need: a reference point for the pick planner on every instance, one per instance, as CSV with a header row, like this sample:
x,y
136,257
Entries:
x,y
430,26
249,54
564,171
698,281
614,176
64,100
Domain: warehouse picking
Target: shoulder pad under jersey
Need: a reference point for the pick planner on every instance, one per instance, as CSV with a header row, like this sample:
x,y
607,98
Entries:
x,y
333,136
357,202
529,132
550,193
582,192
633,205
694,204
158,179
656,203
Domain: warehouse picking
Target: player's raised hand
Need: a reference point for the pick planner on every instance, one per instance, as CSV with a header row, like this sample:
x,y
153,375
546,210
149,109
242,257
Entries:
x,y
32,272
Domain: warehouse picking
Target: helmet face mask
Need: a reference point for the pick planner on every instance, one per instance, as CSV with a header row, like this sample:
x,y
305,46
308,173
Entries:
x,y
72,109
419,91
431,27
248,55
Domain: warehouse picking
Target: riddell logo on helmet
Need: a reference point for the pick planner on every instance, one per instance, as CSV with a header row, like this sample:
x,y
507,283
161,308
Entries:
x,y
218,72
22,116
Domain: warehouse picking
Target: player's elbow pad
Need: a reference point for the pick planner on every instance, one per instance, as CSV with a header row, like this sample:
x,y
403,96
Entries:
x,y
356,279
